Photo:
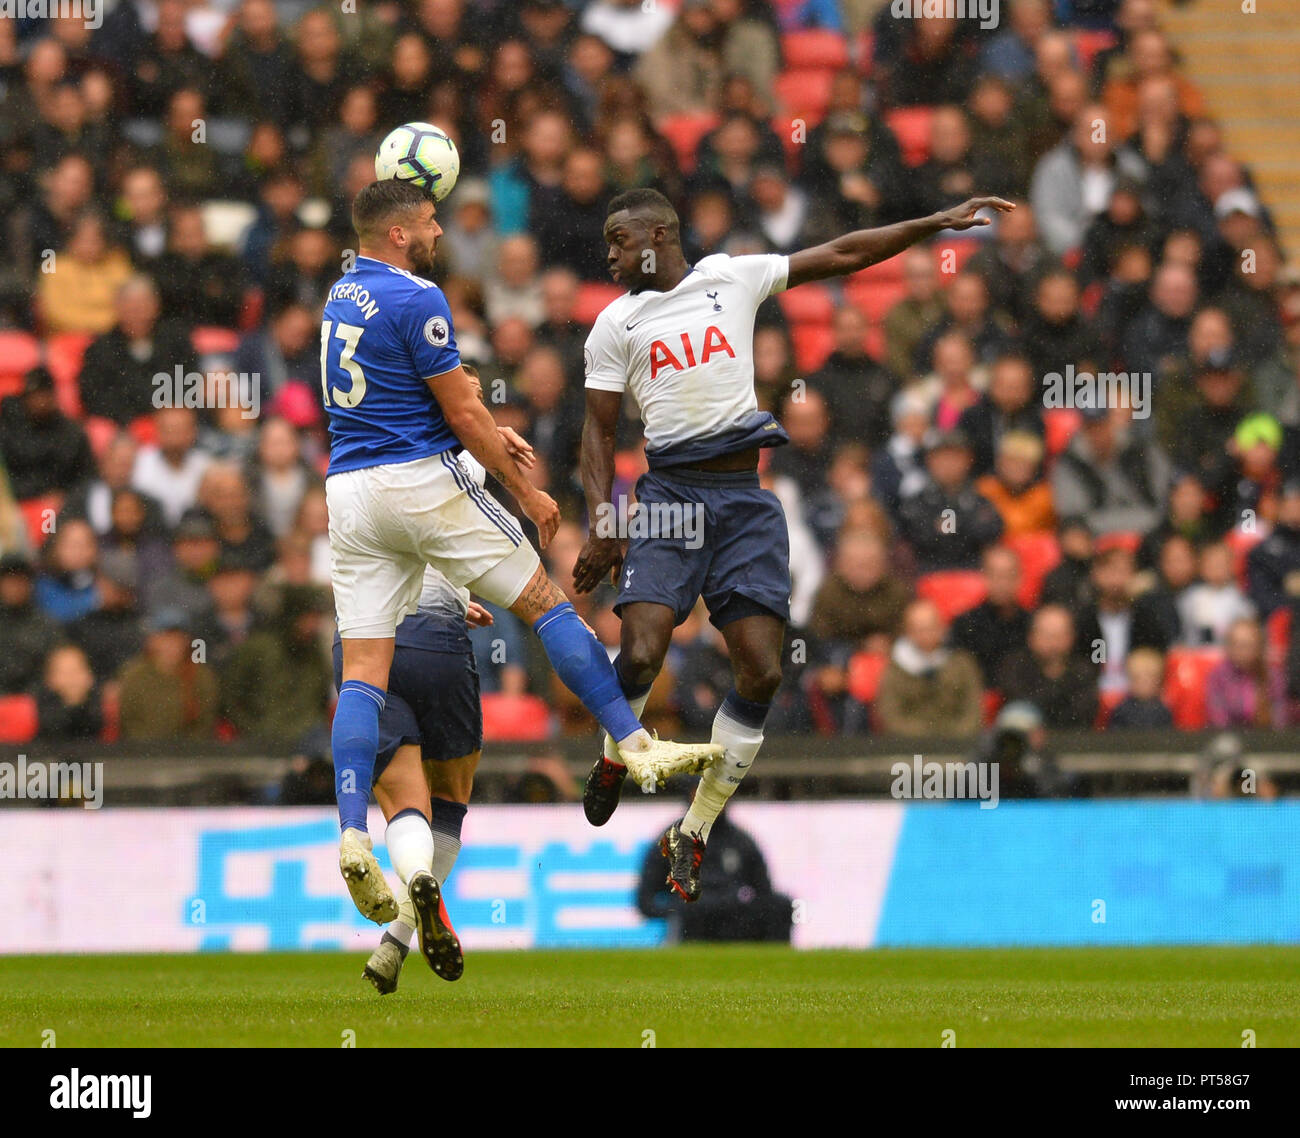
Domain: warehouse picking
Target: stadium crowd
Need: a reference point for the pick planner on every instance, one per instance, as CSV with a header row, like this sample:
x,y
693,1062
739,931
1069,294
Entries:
x,y
175,189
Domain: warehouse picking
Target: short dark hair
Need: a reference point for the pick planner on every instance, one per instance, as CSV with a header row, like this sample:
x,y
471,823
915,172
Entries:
x,y
382,201
650,204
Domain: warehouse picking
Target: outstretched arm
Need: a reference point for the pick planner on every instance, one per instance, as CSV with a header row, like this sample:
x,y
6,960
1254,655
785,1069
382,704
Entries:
x,y
864,247
603,554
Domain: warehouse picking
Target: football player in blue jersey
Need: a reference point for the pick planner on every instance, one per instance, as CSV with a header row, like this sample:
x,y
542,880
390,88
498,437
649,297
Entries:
x,y
399,406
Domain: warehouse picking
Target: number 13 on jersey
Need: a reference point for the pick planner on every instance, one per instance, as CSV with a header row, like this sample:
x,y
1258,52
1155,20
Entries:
x,y
348,335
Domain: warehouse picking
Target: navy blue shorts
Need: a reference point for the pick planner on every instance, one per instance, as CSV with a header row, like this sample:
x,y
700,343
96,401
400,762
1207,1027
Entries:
x,y
433,699
717,536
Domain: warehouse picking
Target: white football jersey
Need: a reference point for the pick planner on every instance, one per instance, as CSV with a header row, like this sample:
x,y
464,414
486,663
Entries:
x,y
687,355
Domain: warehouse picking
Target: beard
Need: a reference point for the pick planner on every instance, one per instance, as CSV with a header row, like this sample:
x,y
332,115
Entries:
x,y
422,261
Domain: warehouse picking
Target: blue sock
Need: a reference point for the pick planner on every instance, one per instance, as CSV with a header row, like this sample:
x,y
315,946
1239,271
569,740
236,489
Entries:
x,y
355,740
744,711
583,665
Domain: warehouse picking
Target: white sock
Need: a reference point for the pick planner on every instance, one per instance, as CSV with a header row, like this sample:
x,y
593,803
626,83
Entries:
x,y
611,751
720,781
410,844
403,929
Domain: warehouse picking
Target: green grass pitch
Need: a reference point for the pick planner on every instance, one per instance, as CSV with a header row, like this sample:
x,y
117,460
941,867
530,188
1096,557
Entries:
x,y
696,996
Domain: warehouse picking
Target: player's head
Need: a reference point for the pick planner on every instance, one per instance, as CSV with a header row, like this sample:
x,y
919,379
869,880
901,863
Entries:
x,y
640,228
395,222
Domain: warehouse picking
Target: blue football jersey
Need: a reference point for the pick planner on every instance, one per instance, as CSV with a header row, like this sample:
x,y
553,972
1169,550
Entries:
x,y
384,332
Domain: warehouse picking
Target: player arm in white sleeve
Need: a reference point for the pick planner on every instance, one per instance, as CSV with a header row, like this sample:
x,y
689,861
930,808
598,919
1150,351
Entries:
x,y
865,247
606,370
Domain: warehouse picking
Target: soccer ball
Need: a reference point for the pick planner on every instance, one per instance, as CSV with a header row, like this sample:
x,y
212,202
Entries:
x,y
421,153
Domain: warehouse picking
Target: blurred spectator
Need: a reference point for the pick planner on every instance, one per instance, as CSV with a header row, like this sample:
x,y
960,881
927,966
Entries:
x,y
1142,706
1021,496
276,685
856,389
1106,475
1214,603
920,308
109,634
1049,673
1017,744
44,451
898,470
282,477
1270,565
1009,404
571,234
470,243
1011,261
68,706
1157,337
1245,689
287,350
1055,332
26,632
66,590
1158,612
927,689
999,624
79,294
117,375
195,278
948,523
171,471
861,602
195,550
807,459
163,692
1105,632
225,496
967,312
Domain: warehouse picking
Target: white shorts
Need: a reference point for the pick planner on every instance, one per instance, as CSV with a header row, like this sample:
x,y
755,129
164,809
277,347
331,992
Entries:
x,y
386,523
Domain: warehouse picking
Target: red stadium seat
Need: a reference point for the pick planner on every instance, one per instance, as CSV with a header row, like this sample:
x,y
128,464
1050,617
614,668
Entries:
x,y
1060,424
100,432
815,47
865,670
10,385
809,304
1278,627
953,590
911,126
1106,703
952,255
992,704
515,718
17,718
1119,539
812,344
209,340
684,133
112,708
1039,554
874,298
592,297
804,93
1186,670
1241,544
144,430
890,271
864,52
19,353
64,353
39,514
1087,43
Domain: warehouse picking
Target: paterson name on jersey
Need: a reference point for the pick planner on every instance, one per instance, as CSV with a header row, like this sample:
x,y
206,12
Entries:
x,y
687,358
384,332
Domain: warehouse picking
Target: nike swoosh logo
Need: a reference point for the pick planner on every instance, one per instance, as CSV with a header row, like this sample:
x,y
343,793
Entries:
x,y
744,766
631,326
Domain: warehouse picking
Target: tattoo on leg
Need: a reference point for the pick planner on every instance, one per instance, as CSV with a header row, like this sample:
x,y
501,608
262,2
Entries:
x,y
539,596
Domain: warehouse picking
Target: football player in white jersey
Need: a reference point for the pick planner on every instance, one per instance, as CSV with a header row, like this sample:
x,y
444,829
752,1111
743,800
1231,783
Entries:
x,y
680,341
